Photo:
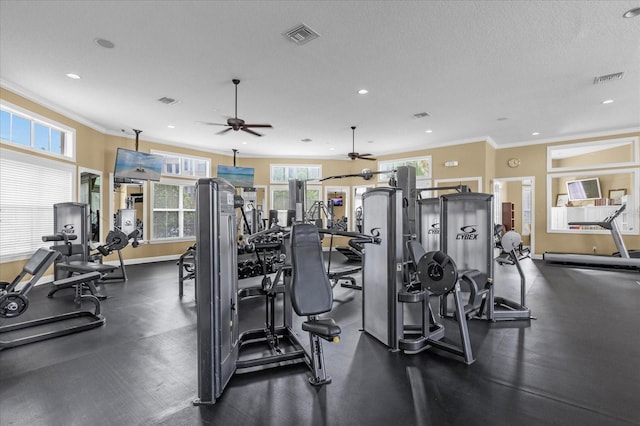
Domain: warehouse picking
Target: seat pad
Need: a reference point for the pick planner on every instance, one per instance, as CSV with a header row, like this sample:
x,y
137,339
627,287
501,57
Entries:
x,y
80,266
322,327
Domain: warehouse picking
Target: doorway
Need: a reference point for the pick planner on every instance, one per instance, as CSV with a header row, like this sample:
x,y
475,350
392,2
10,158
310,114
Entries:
x,y
515,197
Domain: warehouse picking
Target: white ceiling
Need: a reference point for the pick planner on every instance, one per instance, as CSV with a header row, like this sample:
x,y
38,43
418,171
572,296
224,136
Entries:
x,y
466,63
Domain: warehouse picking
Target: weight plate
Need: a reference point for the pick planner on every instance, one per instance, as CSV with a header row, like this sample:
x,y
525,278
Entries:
x,y
13,305
117,240
437,272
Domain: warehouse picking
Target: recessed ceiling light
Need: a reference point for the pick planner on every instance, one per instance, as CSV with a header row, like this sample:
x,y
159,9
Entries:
x,y
369,141
73,76
363,91
332,149
245,142
535,133
632,13
428,131
171,126
502,118
104,43
607,101
305,140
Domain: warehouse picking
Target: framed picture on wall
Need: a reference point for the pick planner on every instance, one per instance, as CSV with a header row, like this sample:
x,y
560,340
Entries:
x,y
562,200
616,195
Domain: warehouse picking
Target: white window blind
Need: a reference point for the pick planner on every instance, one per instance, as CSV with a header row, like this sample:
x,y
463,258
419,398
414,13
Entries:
x,y
29,187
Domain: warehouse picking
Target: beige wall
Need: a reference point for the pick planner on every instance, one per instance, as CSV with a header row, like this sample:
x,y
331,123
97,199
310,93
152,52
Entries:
x,y
97,151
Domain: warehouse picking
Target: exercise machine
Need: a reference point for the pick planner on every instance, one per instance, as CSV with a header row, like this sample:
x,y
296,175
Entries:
x,y
395,310
116,240
467,235
621,259
73,219
511,253
14,302
186,268
307,292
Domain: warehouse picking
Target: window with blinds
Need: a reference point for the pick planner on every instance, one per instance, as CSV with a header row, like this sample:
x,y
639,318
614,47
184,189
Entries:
x,y
29,187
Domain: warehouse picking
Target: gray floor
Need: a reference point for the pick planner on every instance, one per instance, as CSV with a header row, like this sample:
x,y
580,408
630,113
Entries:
x,y
577,364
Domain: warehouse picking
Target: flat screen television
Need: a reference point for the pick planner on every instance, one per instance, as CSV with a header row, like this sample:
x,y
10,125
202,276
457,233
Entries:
x,y
240,177
584,189
337,202
134,165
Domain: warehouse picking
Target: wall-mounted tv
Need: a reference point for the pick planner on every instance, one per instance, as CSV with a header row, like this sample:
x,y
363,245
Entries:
x,y
337,202
584,189
136,165
240,177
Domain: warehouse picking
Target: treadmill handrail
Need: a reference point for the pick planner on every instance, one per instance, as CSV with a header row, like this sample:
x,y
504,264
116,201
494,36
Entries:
x,y
606,223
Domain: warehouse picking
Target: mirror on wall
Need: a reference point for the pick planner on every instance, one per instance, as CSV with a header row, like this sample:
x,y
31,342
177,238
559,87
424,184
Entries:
x,y
593,155
255,209
128,207
89,193
338,202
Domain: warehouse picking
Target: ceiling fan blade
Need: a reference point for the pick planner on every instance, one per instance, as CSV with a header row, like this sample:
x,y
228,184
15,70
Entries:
x,y
368,158
207,123
224,131
259,125
244,129
365,155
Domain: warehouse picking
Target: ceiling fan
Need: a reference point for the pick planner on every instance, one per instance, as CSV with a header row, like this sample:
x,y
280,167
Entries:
x,y
235,123
355,155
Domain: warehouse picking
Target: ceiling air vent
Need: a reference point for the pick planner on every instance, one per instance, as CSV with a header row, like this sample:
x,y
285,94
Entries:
x,y
421,115
607,78
167,101
301,34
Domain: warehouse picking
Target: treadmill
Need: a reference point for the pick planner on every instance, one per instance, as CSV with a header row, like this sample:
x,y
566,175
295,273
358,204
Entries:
x,y
621,259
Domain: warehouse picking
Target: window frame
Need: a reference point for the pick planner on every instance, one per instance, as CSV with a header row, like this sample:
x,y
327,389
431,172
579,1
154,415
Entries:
x,y
181,210
69,133
292,166
182,157
273,188
389,165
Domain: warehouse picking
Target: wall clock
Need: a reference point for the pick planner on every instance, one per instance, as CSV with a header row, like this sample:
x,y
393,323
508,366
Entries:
x,y
513,162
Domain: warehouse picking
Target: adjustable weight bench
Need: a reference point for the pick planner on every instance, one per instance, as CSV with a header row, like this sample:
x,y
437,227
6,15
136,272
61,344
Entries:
x,y
311,295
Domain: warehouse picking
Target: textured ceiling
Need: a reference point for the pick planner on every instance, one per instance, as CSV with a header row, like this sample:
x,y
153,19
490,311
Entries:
x,y
466,63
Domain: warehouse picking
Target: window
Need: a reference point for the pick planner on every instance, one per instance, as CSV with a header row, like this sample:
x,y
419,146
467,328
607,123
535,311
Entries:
x,y
173,210
28,130
280,196
178,165
283,173
422,165
29,187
